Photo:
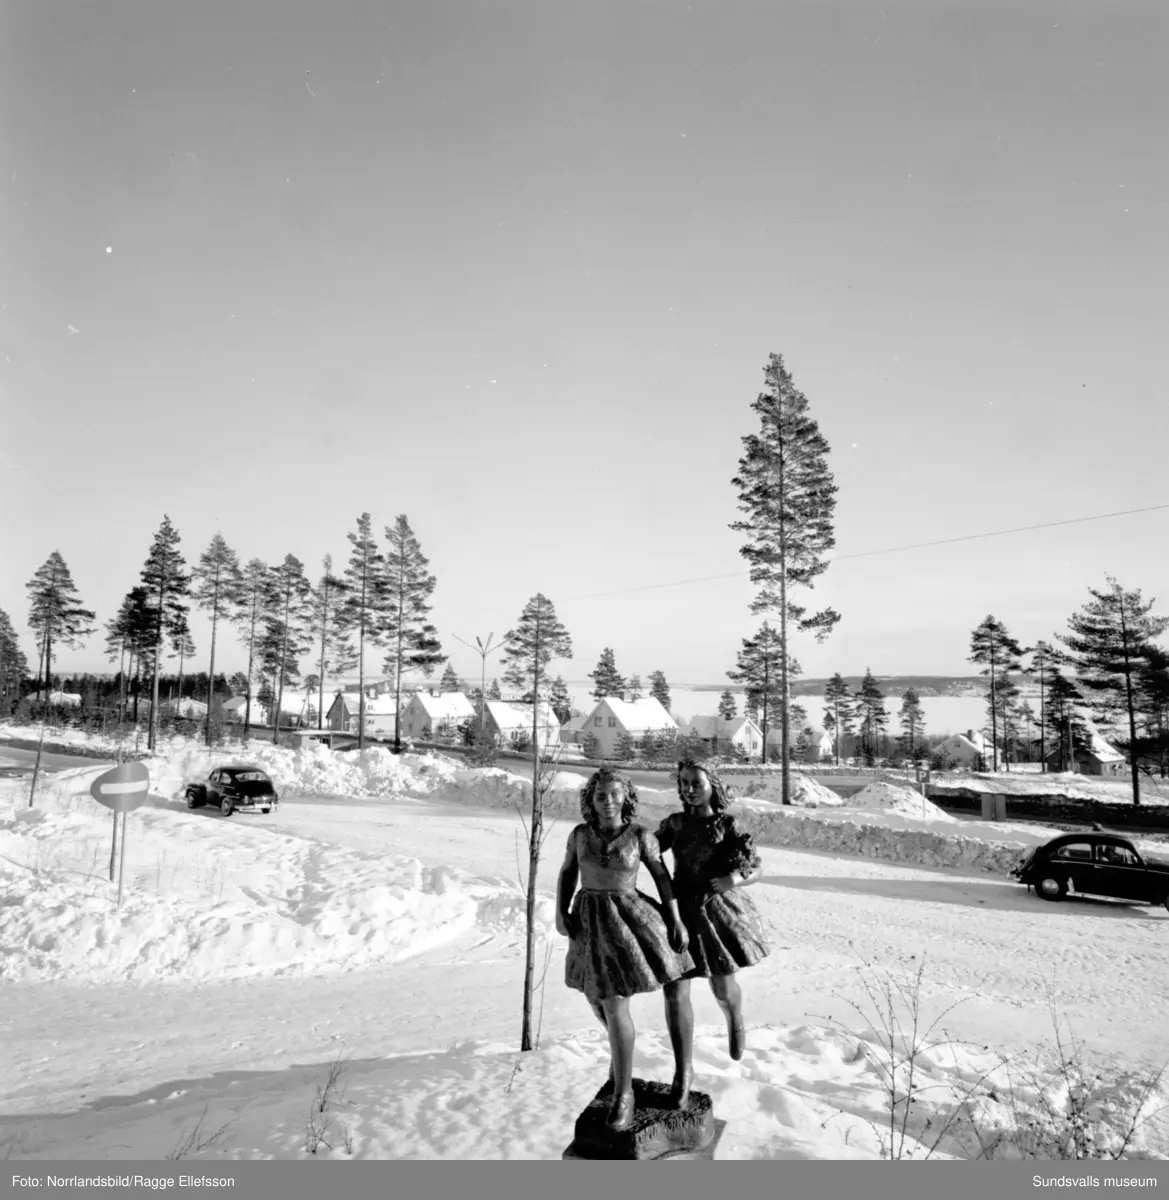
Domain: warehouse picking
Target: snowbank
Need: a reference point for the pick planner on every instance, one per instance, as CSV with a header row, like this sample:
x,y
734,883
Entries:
x,y
888,797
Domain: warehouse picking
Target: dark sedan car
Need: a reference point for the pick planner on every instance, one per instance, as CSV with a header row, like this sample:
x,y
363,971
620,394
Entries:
x,y
1094,864
234,789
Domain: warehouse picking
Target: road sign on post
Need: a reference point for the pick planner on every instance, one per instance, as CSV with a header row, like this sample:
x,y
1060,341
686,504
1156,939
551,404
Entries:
x,y
123,788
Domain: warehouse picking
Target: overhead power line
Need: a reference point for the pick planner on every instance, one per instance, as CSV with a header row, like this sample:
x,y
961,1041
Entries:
x,y
966,537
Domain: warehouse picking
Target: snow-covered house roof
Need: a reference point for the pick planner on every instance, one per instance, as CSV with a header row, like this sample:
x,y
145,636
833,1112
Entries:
x,y
717,727
446,706
374,706
636,716
509,715
1100,748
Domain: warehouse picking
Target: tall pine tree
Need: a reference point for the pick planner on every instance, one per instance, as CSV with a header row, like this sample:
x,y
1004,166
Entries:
x,y
992,647
727,709
759,666
13,665
838,711
870,710
607,680
788,498
1108,642
536,640
560,700
1066,730
250,603
56,614
364,605
411,641
659,689
1044,660
183,647
167,584
215,585
450,681
1153,699
336,652
912,718
287,627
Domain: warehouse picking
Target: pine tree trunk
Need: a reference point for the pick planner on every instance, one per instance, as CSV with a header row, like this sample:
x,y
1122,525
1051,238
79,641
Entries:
x,y
251,668
281,667
324,636
152,734
536,834
1042,724
211,667
994,739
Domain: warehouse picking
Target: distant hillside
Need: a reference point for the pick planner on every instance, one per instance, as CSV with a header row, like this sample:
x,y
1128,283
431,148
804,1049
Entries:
x,y
890,685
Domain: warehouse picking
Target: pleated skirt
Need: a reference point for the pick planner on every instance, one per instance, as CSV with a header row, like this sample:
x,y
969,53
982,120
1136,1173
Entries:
x,y
726,933
623,948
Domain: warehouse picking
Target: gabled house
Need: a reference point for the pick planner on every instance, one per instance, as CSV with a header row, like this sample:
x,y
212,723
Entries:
x,y
507,720
805,747
187,708
426,715
1098,757
965,748
380,714
717,732
613,717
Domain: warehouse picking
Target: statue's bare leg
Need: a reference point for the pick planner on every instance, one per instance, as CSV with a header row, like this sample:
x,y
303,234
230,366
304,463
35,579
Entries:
x,y
730,999
619,1022
680,1023
599,1012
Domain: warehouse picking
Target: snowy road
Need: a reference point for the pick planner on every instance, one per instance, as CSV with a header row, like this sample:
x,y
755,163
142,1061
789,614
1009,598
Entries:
x,y
985,942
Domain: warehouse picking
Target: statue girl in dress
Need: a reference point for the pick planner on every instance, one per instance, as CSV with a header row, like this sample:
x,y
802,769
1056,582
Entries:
x,y
622,942
713,860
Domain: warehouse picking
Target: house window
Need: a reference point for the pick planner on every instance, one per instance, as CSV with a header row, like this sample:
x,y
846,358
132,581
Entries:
x,y
597,722
612,722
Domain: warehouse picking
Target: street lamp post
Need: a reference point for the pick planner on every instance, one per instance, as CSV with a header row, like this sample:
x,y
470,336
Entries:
x,y
483,649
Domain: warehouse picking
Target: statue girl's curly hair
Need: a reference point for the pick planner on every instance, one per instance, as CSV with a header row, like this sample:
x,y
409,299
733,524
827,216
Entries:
x,y
602,776
719,800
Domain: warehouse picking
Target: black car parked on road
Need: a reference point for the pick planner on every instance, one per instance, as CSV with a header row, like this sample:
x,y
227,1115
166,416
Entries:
x,y
1094,864
234,789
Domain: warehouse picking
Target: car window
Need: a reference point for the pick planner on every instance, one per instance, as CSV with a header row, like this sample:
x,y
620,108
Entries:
x,y
1116,856
1080,851
213,777
251,777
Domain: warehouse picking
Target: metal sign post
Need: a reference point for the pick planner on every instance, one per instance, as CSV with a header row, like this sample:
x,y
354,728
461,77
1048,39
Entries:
x,y
123,789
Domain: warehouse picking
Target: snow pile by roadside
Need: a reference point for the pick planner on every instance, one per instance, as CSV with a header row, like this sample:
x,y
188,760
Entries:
x,y
888,797
207,898
1073,786
850,833
805,792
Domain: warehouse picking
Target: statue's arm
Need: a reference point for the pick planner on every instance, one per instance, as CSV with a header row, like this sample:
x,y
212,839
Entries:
x,y
566,887
651,855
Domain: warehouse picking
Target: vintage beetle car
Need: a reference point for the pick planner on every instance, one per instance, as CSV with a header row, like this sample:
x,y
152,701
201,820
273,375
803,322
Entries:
x,y
234,789
1095,864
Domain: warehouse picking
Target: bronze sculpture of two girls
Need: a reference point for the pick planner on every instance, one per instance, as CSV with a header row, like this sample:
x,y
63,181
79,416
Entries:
x,y
622,943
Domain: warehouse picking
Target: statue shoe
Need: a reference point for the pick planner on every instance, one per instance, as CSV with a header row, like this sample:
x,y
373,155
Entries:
x,y
737,1038
620,1112
680,1088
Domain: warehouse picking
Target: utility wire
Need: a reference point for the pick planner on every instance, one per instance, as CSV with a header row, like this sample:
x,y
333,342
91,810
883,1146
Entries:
x,y
967,537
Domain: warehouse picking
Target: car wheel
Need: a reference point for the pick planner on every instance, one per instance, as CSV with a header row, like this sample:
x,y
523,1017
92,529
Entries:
x,y
226,807
192,800
1051,887
265,810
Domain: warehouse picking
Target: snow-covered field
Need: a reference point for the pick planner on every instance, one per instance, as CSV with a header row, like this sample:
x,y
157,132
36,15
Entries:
x,y
374,923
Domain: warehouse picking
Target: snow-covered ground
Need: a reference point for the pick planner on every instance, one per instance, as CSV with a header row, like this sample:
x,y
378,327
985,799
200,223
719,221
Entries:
x,y
375,922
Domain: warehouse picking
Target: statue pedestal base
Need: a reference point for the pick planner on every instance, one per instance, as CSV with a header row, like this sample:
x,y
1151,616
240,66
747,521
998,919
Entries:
x,y
658,1131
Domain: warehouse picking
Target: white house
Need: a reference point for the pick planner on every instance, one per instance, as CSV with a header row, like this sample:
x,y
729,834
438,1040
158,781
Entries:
x,y
807,747
506,719
191,709
380,714
424,714
964,748
613,716
740,732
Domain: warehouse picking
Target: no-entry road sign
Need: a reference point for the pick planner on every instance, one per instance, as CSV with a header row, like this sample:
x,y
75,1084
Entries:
x,y
123,788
